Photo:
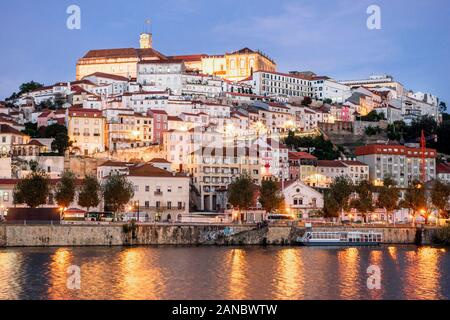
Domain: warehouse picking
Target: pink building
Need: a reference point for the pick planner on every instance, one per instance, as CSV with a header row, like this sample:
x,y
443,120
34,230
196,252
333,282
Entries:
x,y
160,124
43,118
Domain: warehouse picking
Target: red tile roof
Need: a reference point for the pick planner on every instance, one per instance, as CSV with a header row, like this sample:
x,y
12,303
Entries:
x,y
168,61
111,163
391,150
148,170
157,112
159,160
124,53
353,163
45,114
174,118
331,164
443,168
301,155
189,58
107,75
4,128
85,113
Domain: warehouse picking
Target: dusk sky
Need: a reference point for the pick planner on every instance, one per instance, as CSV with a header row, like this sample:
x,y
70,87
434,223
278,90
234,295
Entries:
x,y
328,37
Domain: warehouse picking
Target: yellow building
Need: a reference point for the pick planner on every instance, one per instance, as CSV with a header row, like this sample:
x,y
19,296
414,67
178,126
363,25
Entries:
x,y
86,130
238,65
120,62
234,66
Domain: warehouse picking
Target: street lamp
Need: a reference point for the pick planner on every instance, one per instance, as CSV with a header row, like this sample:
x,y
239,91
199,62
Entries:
x,y
138,208
61,214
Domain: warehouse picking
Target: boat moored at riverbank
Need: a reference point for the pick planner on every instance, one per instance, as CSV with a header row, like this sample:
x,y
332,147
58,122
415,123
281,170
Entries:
x,y
341,238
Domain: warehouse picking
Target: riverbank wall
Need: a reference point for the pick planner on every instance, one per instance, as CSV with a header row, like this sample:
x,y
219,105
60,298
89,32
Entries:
x,y
117,235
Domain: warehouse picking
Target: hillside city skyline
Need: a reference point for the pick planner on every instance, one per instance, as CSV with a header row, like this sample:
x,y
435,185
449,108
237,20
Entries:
x,y
401,38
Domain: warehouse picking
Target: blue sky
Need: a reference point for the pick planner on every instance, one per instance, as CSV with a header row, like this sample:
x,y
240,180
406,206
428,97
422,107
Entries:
x,y
328,37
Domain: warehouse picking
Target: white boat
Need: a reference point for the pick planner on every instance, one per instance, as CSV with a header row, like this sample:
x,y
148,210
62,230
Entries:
x,y
341,238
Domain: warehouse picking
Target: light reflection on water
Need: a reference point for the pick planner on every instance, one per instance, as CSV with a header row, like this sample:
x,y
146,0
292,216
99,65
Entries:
x,y
225,273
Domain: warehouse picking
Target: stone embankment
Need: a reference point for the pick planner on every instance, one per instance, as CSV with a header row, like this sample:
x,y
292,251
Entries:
x,y
117,235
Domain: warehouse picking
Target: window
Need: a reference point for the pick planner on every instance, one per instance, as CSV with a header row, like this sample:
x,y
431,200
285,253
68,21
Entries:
x,y
180,205
169,189
158,204
147,204
5,196
169,205
147,188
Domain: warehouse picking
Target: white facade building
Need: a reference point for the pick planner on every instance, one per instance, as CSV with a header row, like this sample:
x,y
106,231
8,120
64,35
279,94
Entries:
x,y
276,83
326,88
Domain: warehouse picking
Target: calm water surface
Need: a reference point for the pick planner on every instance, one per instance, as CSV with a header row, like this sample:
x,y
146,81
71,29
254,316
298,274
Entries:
x,y
202,273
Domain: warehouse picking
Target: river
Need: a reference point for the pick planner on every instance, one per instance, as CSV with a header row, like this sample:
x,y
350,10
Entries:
x,y
406,272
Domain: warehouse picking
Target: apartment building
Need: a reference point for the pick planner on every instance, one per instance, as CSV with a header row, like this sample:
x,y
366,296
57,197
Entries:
x,y
302,165
401,163
324,88
268,83
159,195
10,137
145,100
87,130
179,144
213,169
127,130
443,172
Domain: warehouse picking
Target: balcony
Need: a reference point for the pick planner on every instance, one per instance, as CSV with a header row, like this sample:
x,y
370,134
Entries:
x,y
158,193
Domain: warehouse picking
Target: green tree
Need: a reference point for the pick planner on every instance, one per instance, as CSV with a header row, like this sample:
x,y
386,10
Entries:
x,y
415,198
330,206
364,203
65,190
61,142
241,193
442,107
373,116
336,199
323,149
270,195
59,133
440,194
306,101
31,130
117,192
426,123
29,86
372,131
88,197
33,190
396,130
388,196
342,189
